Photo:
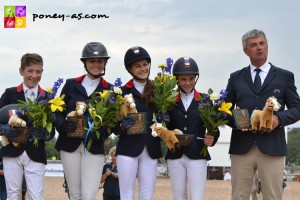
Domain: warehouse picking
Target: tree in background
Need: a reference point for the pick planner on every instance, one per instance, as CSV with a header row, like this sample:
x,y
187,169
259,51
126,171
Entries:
x,y
293,146
50,149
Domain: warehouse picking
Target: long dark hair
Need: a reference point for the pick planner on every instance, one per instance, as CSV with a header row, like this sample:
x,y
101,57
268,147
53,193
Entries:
x,y
148,93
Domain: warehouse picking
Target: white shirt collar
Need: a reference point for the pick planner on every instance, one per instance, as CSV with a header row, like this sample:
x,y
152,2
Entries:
x,y
34,89
90,85
187,95
264,68
91,82
139,86
186,99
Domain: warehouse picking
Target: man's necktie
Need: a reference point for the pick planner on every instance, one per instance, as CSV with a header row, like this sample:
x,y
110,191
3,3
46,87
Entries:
x,y
30,94
257,80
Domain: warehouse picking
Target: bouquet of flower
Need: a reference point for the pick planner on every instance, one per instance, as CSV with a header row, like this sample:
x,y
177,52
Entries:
x,y
164,89
214,112
103,108
42,110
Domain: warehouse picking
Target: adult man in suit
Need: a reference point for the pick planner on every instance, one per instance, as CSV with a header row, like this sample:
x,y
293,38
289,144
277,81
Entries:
x,y
263,152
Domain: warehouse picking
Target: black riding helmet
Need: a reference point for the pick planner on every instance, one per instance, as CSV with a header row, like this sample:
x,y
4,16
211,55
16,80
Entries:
x,y
135,53
94,50
7,111
186,65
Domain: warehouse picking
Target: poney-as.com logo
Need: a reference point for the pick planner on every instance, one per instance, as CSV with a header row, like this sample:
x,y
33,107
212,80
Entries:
x,y
14,16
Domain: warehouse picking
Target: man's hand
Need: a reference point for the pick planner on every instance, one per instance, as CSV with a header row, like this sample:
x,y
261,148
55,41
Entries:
x,y
275,122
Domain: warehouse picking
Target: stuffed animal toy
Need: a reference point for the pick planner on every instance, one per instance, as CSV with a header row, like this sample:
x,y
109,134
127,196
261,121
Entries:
x,y
77,116
79,110
261,120
14,121
127,106
166,135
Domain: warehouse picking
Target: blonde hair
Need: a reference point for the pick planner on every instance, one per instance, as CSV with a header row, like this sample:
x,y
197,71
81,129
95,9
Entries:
x,y
112,150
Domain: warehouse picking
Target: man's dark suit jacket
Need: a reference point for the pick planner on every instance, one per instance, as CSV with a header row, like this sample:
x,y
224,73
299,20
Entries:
x,y
241,92
35,153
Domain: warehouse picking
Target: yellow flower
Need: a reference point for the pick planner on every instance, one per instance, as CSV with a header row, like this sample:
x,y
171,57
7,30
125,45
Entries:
x,y
56,104
103,94
162,66
161,78
225,107
49,90
214,96
92,112
165,76
158,78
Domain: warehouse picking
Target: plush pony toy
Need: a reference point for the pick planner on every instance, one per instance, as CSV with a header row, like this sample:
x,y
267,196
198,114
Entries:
x,y
166,135
127,106
261,120
14,121
79,110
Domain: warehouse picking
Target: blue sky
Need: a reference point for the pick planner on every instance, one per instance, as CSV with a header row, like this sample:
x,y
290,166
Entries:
x,y
208,31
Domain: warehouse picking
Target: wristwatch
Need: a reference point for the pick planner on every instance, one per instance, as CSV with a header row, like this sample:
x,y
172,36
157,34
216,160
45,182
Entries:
x,y
112,173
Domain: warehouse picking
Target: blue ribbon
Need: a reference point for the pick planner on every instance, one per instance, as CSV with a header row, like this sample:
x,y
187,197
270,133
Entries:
x,y
31,138
91,125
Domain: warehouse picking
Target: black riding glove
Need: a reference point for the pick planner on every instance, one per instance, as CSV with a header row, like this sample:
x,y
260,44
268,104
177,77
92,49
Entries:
x,y
163,117
69,125
39,133
103,130
9,131
127,122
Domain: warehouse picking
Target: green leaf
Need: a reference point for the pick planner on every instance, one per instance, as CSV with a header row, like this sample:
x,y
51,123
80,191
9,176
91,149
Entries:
x,y
49,127
44,119
89,144
204,151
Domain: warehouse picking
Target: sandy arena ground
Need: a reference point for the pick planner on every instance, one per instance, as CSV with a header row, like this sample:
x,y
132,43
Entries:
x,y
215,190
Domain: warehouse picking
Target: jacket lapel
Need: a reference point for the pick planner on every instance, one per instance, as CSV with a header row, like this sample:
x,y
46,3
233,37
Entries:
x,y
248,78
20,96
270,76
20,93
103,85
77,85
79,88
181,106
